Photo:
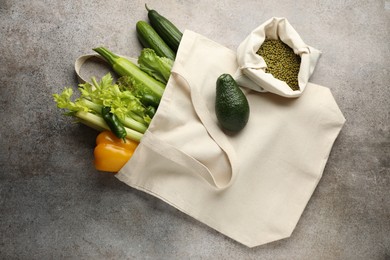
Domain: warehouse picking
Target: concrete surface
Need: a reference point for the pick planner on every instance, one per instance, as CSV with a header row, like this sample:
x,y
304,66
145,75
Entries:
x,y
54,205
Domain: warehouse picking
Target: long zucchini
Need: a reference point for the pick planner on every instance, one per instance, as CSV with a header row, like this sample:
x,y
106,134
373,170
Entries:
x,y
124,67
149,38
165,29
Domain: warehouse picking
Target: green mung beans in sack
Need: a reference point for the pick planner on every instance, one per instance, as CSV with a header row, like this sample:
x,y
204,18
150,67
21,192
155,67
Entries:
x,y
274,58
281,61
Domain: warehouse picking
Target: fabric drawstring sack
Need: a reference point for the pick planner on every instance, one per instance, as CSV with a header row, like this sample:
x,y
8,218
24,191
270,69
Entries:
x,y
252,186
251,72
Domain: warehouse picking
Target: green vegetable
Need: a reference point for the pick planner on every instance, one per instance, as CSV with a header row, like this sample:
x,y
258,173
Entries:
x,y
145,98
155,66
165,29
97,122
281,61
149,38
139,81
93,97
150,110
113,122
144,94
231,105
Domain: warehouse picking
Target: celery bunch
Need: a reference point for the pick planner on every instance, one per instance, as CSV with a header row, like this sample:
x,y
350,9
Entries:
x,y
93,97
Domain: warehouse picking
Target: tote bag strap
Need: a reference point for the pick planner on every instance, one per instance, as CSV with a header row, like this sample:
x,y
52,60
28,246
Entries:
x,y
213,130
177,156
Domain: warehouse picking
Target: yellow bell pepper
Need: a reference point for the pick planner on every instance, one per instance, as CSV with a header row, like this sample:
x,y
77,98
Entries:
x,y
111,153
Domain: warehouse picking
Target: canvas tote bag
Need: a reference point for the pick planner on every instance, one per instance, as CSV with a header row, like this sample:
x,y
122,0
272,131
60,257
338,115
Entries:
x,y
252,186
251,71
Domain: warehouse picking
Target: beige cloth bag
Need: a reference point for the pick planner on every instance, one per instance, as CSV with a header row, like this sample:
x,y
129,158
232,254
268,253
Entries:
x,y
252,186
251,72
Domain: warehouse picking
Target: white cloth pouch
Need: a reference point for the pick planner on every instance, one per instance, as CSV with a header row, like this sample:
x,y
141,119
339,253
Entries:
x,y
252,186
251,72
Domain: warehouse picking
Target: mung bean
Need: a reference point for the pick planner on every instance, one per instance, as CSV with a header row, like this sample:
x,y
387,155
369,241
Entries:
x,y
281,61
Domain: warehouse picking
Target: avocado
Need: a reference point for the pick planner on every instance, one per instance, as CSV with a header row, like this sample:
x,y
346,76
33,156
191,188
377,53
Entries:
x,y
231,105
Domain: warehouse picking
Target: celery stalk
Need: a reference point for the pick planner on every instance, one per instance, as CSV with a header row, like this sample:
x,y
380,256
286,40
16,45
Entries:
x,y
96,122
126,121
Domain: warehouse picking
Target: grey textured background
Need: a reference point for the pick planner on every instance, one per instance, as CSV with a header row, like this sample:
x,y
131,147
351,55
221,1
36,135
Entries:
x,y
54,205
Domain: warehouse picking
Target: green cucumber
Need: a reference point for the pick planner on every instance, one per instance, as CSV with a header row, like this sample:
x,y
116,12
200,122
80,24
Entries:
x,y
149,38
165,29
